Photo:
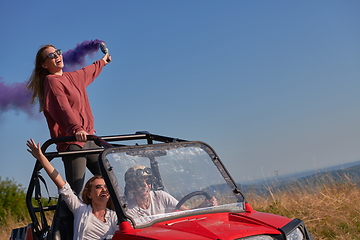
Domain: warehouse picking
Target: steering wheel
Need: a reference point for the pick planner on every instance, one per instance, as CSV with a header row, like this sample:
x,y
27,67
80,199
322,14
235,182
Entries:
x,y
190,195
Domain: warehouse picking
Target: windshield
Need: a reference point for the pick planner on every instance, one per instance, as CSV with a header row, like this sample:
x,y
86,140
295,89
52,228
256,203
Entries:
x,y
152,179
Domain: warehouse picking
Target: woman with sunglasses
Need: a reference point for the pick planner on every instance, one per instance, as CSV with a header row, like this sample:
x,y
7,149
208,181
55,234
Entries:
x,y
94,217
143,201
64,101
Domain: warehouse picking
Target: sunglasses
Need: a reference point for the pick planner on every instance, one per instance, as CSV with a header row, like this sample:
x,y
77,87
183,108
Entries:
x,y
140,182
143,172
53,55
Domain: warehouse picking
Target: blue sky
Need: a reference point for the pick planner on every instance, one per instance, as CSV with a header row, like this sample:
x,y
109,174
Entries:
x,y
272,86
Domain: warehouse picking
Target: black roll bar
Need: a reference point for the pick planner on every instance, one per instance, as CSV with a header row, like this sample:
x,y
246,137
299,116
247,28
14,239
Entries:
x,y
103,142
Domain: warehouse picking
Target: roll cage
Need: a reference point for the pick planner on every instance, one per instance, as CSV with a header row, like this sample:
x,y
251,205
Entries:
x,y
40,225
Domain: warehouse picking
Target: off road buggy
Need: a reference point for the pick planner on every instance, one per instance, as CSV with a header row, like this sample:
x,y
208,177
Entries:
x,y
188,170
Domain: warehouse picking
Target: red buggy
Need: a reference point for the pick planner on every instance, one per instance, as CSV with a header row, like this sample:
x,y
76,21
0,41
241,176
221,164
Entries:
x,y
190,171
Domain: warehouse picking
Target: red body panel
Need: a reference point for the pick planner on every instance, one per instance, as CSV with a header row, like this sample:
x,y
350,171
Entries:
x,y
209,226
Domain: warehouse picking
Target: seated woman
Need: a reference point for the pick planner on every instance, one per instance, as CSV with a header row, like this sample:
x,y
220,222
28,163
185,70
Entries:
x,y
143,202
93,218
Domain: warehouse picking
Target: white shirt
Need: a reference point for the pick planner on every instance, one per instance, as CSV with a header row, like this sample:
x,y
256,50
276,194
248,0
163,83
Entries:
x,y
160,202
86,225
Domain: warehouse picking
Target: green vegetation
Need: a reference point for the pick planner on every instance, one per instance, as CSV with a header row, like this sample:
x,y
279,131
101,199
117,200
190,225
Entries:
x,y
13,209
12,201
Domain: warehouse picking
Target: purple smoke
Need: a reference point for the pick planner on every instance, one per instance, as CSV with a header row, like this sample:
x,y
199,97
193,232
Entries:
x,y
76,57
15,97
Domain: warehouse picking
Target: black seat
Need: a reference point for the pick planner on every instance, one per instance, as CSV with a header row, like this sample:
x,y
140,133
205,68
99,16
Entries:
x,y
63,222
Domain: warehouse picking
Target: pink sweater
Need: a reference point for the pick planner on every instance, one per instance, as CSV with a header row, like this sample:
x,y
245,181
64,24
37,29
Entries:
x,y
66,104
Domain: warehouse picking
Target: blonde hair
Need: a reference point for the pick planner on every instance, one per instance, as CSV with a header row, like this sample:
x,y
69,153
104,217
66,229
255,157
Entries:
x,y
87,189
36,80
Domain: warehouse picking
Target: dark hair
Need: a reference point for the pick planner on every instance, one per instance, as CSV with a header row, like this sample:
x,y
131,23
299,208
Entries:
x,y
87,189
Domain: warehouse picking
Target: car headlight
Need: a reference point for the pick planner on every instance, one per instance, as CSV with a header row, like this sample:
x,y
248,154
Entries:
x,y
258,237
295,235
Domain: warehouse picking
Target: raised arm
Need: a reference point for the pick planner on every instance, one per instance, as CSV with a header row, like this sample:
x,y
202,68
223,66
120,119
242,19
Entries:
x,y
35,150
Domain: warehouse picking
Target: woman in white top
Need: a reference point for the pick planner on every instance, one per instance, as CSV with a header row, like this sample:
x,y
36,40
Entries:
x,y
93,218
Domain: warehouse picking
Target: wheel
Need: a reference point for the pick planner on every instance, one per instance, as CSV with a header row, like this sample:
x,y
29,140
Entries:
x,y
190,195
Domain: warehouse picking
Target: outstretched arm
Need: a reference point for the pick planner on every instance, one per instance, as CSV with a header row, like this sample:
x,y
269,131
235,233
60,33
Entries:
x,y
35,150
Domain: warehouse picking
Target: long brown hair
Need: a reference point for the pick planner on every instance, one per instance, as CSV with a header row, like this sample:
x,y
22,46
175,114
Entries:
x,y
36,80
87,189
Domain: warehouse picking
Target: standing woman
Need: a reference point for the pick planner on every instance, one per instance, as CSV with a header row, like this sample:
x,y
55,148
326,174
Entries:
x,y
64,101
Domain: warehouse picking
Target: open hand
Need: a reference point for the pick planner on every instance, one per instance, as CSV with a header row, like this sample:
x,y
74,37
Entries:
x,y
34,148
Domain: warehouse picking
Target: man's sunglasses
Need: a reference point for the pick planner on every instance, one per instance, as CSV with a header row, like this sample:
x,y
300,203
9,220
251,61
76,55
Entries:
x,y
53,55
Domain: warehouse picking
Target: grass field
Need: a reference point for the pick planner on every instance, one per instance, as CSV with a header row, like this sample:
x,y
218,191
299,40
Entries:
x,y
330,209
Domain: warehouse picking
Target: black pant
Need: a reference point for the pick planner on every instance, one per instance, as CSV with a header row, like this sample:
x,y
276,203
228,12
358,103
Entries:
x,y
75,166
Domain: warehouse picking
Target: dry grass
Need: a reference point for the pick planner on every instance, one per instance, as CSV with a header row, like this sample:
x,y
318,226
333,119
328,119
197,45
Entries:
x,y
330,209
12,223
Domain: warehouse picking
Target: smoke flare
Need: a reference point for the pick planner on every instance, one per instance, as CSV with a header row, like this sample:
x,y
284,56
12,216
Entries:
x,y
15,97
76,57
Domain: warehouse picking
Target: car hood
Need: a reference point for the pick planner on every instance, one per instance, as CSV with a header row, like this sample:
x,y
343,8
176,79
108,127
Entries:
x,y
214,226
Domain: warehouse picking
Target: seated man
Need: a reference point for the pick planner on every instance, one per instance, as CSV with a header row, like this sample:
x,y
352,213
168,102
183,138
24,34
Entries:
x,y
145,202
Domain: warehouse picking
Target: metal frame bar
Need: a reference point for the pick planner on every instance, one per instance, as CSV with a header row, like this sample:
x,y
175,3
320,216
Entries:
x,y
101,140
